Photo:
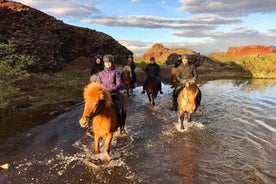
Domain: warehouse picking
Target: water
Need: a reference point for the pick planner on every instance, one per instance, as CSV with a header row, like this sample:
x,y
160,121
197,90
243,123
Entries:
x,y
234,141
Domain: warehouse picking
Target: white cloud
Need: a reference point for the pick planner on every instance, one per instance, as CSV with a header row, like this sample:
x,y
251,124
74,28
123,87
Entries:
x,y
232,8
64,8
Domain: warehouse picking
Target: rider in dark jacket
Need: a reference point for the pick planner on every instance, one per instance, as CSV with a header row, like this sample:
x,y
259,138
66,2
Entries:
x,y
153,68
132,65
96,68
178,61
185,71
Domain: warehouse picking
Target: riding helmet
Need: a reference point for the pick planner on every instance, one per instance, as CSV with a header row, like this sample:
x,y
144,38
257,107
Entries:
x,y
108,58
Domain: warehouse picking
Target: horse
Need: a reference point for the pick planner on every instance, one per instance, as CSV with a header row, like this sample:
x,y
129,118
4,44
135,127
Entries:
x,y
174,80
105,121
187,100
152,87
127,80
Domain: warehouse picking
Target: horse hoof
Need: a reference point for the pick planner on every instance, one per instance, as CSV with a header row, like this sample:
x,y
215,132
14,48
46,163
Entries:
x,y
199,111
89,132
123,132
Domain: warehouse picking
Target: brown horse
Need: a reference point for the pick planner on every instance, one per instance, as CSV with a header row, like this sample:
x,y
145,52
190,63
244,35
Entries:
x,y
99,105
174,80
152,87
187,100
127,80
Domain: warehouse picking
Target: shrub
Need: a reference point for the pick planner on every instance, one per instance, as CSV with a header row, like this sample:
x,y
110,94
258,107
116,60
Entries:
x,y
13,68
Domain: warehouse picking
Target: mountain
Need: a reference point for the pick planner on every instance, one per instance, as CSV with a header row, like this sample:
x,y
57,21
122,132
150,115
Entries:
x,y
52,43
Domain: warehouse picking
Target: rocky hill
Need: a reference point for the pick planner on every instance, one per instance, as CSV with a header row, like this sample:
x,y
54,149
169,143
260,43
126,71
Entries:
x,y
161,53
52,43
250,49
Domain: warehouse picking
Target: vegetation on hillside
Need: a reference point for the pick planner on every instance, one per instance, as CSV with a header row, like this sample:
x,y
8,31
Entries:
x,y
12,70
260,66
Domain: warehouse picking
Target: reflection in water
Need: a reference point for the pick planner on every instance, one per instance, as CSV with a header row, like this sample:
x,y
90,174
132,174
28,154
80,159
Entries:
x,y
234,141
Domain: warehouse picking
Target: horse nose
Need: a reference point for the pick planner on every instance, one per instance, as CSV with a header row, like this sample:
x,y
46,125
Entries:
x,y
83,123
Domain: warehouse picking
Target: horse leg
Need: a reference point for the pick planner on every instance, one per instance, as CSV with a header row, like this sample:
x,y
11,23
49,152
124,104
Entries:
x,y
149,97
189,117
153,102
96,144
181,119
108,142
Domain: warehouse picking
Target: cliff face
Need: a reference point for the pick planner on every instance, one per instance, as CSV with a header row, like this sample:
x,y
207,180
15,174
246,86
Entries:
x,y
251,49
52,43
160,52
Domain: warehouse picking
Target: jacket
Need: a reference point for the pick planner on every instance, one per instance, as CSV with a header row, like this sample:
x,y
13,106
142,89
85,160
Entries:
x,y
153,69
97,68
131,64
111,79
186,72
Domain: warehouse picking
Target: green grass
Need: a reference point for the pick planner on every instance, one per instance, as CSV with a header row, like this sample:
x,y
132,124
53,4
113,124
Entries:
x,y
261,66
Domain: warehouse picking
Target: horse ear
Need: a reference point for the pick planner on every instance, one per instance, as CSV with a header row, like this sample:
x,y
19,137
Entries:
x,y
187,83
107,99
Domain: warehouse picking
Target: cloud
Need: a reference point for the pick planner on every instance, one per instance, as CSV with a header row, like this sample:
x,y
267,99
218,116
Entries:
x,y
153,22
215,40
232,8
65,8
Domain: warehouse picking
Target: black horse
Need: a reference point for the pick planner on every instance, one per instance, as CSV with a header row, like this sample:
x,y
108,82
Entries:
x,y
152,86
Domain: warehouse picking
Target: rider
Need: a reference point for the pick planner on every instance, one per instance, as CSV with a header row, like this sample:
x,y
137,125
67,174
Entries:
x,y
96,68
153,68
185,71
132,66
112,80
178,61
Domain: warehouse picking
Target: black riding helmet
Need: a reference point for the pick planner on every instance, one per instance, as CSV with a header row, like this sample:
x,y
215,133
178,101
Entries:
x,y
98,57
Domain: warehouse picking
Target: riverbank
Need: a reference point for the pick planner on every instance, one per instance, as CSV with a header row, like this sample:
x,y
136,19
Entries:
x,y
55,92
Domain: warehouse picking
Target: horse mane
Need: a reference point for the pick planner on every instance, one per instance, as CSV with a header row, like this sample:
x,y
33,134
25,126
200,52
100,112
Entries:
x,y
94,92
127,69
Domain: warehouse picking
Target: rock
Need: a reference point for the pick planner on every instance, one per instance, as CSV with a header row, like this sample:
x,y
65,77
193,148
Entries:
x,y
52,43
161,53
250,49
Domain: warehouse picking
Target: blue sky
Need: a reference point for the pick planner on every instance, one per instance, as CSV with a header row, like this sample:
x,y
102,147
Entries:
x,y
201,25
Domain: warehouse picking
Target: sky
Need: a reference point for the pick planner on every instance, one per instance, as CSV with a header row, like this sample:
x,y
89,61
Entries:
x,y
201,25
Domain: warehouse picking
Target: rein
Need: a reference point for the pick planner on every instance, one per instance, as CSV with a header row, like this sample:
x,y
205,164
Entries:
x,y
93,114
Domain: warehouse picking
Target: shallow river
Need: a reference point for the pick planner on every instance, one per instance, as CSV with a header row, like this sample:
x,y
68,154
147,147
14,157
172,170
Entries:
x,y
234,141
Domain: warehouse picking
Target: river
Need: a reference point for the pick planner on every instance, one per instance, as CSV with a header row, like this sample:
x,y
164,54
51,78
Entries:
x,y
234,141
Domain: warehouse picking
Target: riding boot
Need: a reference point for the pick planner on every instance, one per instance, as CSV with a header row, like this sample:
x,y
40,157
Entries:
x,y
123,122
198,100
143,89
174,108
176,92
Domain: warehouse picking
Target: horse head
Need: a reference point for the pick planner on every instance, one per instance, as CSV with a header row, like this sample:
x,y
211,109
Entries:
x,y
127,70
187,100
96,98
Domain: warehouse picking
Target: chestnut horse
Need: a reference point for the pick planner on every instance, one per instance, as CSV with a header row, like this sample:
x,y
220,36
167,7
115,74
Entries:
x,y
99,105
152,87
187,100
127,80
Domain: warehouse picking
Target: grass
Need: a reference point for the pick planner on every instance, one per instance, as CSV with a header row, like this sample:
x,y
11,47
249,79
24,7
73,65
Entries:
x,y
260,66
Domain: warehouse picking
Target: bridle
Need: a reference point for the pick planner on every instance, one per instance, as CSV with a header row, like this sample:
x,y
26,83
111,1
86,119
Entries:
x,y
93,114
